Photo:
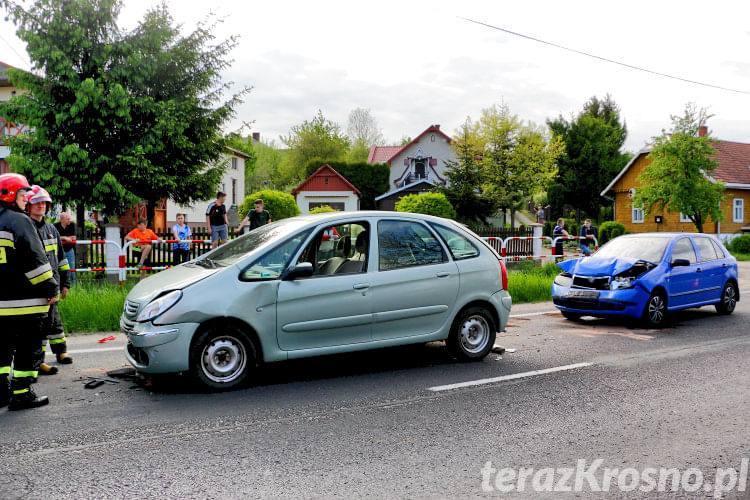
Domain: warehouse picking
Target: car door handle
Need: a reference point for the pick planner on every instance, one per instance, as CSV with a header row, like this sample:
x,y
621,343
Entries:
x,y
443,274
697,270
361,286
724,265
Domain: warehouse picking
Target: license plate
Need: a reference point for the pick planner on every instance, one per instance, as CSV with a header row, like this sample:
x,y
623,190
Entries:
x,y
584,294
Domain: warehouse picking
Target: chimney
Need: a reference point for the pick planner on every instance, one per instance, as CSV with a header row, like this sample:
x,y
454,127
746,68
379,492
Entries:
x,y
256,136
702,131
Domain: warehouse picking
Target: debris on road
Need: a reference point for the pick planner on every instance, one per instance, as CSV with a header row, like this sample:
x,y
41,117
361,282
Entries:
x,y
106,339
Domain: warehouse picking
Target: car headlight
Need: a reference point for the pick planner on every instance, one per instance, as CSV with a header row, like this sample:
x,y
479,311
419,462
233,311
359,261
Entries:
x,y
156,307
626,279
621,282
564,279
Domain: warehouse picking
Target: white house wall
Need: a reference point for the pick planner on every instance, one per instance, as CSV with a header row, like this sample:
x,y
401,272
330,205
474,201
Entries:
x,y
196,213
348,198
440,148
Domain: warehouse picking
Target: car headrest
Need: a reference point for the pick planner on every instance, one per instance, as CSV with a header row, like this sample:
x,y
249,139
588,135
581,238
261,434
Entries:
x,y
345,245
361,244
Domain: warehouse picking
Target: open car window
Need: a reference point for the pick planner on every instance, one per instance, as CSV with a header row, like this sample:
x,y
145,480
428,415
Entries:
x,y
339,249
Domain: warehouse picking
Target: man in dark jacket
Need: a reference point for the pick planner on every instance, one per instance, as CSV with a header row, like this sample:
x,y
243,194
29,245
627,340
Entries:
x,y
38,206
28,288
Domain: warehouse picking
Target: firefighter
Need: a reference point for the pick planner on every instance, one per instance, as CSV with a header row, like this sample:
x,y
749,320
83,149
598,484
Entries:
x,y
28,288
37,207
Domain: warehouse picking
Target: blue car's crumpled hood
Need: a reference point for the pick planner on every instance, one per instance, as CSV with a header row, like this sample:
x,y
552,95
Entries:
x,y
593,266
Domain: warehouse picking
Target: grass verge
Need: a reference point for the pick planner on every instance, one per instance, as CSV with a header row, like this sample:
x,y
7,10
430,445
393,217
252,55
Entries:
x,y
741,256
93,307
529,283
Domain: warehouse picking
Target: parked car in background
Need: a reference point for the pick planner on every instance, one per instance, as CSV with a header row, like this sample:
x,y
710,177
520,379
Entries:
x,y
314,285
647,275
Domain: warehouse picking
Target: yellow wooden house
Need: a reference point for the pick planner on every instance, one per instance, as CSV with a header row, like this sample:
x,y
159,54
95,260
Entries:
x,y
733,171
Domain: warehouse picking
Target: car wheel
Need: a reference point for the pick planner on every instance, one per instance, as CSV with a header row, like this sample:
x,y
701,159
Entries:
x,y
472,335
223,357
728,299
655,312
571,315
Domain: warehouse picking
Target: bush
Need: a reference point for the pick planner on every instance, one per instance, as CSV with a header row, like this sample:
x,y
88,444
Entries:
x,y
279,204
609,231
322,209
740,244
427,203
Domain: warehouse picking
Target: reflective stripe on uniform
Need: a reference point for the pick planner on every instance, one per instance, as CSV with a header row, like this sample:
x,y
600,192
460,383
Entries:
x,y
4,242
63,265
61,340
19,307
41,273
7,235
50,245
44,347
20,391
20,374
4,370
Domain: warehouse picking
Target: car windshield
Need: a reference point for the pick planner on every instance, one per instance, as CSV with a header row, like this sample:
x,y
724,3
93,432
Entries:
x,y
650,249
232,252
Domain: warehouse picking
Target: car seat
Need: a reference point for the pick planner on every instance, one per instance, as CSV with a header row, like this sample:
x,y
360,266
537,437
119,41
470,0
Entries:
x,y
356,265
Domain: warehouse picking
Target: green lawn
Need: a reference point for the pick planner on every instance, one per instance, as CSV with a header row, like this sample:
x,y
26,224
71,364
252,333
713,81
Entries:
x,y
741,256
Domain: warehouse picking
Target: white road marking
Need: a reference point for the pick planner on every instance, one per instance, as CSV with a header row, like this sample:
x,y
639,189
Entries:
x,y
82,351
515,376
532,314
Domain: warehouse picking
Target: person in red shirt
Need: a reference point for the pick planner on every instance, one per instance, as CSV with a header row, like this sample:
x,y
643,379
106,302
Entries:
x,y
141,232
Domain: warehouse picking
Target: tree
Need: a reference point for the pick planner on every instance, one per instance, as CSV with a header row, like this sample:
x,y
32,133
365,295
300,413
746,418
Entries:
x,y
517,159
427,203
316,139
464,175
593,143
118,117
363,133
678,179
266,168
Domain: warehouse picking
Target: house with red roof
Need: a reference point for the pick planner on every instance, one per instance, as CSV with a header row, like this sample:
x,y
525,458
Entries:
x,y
733,170
415,167
326,187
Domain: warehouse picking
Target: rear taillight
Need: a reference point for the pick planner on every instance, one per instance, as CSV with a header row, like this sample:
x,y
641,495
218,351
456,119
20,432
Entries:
x,y
504,272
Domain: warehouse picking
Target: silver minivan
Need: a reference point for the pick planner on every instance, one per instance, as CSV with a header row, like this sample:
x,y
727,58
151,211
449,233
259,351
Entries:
x,y
316,285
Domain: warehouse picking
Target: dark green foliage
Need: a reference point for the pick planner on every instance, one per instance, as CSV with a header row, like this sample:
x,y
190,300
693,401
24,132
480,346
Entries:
x,y
117,117
740,244
371,180
592,158
279,204
556,196
610,230
427,203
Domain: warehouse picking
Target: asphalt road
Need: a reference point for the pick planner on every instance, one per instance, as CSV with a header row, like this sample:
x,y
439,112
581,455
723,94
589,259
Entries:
x,y
382,424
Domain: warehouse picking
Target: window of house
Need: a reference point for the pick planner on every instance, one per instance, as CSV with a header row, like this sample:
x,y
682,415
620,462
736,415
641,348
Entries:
x,y
684,218
738,210
637,215
336,205
405,244
325,181
234,163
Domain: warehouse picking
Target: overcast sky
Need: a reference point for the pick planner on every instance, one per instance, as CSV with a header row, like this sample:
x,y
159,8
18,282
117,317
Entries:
x,y
416,63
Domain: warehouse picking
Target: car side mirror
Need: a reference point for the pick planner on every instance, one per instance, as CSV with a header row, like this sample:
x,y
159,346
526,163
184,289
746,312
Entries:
x,y
680,262
301,270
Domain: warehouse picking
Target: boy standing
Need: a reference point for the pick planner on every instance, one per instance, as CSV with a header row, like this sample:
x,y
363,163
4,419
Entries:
x,y
216,220
257,218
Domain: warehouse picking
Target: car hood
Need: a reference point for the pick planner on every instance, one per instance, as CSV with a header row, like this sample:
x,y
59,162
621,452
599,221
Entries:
x,y
593,266
176,278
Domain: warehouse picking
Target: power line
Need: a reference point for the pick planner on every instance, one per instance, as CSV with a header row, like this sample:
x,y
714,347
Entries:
x,y
604,58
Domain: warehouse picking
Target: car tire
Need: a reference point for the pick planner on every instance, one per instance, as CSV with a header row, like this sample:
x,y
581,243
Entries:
x,y
728,299
472,335
223,357
571,315
655,311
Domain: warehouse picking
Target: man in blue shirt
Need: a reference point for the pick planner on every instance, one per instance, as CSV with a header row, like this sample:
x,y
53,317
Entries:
x,y
589,233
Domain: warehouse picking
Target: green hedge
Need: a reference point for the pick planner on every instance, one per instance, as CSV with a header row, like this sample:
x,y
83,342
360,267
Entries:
x,y
427,203
740,244
609,231
279,204
322,209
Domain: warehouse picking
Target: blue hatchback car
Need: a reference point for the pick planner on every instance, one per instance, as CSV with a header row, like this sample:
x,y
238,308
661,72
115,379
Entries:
x,y
646,275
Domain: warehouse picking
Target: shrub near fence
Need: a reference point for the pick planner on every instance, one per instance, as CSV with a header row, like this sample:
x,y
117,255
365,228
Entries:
x,y
514,247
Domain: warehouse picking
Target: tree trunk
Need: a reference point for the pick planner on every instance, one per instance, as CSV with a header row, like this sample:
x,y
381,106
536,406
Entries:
x,y
150,211
80,221
512,217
